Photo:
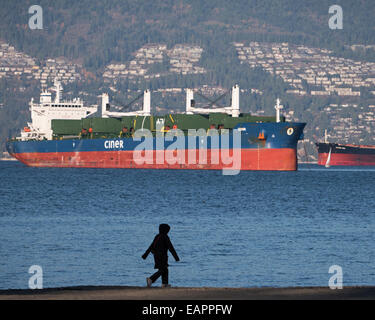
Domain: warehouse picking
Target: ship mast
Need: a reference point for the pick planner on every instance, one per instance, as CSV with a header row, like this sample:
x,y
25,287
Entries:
x,y
278,107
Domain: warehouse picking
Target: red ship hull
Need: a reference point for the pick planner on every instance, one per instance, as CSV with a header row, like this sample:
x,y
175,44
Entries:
x,y
283,159
342,159
345,154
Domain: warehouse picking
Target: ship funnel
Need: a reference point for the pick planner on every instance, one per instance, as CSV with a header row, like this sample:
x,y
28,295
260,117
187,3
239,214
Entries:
x,y
147,102
189,101
235,101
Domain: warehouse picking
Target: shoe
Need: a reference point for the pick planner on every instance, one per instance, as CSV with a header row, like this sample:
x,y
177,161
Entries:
x,y
149,282
165,285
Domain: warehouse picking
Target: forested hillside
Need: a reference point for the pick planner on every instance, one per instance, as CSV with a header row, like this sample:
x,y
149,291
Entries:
x,y
98,32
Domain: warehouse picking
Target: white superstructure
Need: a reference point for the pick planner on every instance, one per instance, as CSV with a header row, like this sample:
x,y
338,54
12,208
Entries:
x,y
47,109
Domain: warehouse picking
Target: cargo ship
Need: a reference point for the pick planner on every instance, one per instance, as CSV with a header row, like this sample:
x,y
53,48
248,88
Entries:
x,y
67,134
335,154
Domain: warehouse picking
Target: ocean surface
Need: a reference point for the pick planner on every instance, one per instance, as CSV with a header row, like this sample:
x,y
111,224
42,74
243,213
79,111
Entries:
x,y
255,229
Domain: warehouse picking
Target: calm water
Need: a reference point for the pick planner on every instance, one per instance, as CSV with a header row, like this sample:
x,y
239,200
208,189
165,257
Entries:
x,y
91,226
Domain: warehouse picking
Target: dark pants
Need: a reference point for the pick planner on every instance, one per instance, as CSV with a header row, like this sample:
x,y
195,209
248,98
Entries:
x,y
163,272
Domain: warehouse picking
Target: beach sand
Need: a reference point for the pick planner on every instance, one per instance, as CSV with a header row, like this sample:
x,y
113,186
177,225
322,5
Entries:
x,y
185,293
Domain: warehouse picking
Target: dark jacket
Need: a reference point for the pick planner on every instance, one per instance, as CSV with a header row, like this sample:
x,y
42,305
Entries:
x,y
160,246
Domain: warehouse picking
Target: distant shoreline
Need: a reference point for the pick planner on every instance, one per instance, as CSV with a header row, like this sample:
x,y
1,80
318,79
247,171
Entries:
x,y
13,159
186,293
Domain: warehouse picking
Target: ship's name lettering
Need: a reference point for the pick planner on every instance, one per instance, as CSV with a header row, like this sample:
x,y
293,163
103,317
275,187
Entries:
x,y
114,144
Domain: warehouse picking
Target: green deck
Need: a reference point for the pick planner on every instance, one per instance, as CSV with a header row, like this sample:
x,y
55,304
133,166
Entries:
x,y
112,127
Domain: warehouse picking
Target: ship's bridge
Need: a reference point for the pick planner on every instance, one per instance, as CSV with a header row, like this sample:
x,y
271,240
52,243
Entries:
x,y
48,109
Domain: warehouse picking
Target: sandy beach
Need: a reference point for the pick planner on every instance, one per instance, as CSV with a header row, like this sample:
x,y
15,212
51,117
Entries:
x,y
185,293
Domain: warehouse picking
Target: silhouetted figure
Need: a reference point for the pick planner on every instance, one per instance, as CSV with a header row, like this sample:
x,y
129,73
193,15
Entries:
x,y
159,248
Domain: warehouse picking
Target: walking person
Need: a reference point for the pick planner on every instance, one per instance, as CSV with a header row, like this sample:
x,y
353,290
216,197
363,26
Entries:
x,y
159,248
